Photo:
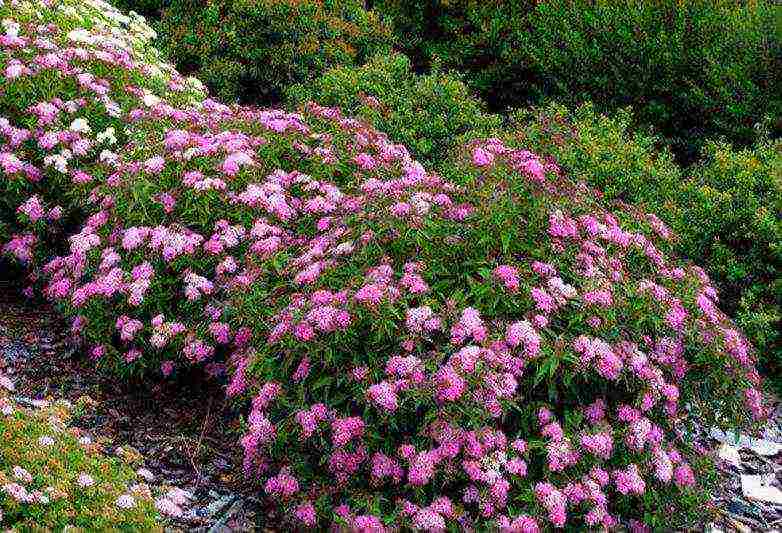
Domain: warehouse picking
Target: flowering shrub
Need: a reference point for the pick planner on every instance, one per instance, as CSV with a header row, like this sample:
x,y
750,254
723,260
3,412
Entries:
x,y
504,350
251,50
726,210
52,477
426,113
71,73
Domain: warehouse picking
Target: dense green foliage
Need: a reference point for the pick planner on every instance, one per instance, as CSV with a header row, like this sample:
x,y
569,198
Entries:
x,y
726,210
426,113
251,50
472,36
693,70
604,150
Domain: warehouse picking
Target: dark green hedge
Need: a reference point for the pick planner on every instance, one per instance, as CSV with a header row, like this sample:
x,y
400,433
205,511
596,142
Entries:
x,y
694,70
250,50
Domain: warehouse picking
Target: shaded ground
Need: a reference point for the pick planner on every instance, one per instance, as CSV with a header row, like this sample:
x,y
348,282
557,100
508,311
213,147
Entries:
x,y
185,430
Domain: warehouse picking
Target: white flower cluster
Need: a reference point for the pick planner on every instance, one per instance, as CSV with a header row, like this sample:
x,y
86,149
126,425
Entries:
x,y
11,27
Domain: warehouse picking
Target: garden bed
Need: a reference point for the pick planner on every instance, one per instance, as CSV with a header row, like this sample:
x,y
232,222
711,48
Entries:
x,y
501,347
184,442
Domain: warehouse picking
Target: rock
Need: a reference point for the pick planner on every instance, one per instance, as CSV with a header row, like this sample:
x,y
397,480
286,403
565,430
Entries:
x,y
737,507
145,473
729,454
759,446
759,488
29,402
219,526
16,351
221,464
218,505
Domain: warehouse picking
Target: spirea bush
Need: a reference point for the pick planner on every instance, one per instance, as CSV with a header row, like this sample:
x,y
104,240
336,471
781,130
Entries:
x,y
726,210
506,350
426,113
69,82
251,51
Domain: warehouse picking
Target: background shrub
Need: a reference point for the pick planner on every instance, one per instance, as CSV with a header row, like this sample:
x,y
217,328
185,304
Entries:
x,y
426,113
471,36
729,217
251,50
726,210
623,162
692,69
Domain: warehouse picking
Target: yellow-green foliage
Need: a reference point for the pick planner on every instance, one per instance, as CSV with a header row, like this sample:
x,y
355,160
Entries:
x,y
602,149
38,441
729,217
426,113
